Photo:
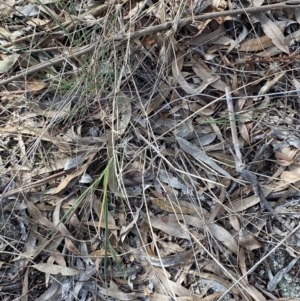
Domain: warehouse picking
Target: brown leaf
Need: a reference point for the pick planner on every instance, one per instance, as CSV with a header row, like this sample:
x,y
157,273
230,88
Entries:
x,y
35,84
63,184
205,74
182,207
40,134
167,225
211,37
55,269
248,202
38,217
256,44
223,236
273,32
244,132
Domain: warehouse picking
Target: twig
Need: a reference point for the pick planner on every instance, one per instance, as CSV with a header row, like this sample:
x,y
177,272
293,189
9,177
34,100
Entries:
x,y
69,25
251,270
34,184
48,64
238,156
151,30
187,21
246,173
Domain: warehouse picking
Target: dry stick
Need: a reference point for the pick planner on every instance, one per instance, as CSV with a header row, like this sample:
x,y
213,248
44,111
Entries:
x,y
258,263
238,155
150,30
187,21
34,184
48,64
69,25
246,173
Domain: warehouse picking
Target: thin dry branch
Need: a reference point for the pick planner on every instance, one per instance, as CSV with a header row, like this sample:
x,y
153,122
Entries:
x,y
48,64
187,21
151,30
238,155
34,184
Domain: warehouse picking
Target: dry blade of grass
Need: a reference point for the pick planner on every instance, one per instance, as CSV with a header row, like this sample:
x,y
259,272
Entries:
x,y
132,96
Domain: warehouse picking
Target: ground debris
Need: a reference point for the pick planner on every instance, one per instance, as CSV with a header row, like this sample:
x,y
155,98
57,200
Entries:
x,y
149,150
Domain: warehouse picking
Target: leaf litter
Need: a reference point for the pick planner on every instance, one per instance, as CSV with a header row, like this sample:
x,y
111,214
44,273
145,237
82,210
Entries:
x,y
149,150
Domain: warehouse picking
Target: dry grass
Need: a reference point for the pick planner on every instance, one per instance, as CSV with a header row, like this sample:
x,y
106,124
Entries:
x,y
125,174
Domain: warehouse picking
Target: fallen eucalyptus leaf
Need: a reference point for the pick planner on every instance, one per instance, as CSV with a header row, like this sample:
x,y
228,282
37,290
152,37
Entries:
x,y
55,269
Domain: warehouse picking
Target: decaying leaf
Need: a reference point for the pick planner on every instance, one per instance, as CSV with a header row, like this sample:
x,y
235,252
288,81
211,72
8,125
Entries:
x,y
223,236
123,112
75,173
277,278
55,269
117,167
169,226
201,156
273,32
7,62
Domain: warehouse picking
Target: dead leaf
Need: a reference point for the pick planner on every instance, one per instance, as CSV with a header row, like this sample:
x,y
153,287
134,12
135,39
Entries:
x,y
223,236
206,75
248,202
34,84
55,269
290,176
7,62
122,112
201,156
256,44
273,32
63,184
169,226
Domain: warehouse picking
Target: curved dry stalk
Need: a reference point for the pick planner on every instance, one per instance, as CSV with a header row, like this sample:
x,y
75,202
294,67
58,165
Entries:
x,y
187,21
151,30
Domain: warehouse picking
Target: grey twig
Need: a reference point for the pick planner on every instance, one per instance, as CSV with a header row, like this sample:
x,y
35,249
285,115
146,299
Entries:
x,y
48,64
187,21
150,30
